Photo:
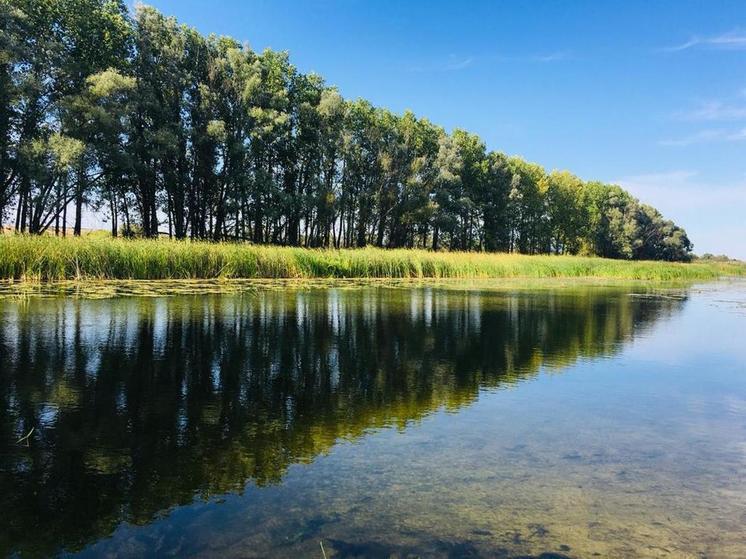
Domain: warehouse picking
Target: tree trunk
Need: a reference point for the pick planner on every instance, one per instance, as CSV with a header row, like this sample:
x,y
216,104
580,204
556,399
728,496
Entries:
x,y
79,202
114,220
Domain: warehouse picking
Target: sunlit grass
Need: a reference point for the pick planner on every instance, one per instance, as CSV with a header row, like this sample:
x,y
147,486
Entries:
x,y
46,258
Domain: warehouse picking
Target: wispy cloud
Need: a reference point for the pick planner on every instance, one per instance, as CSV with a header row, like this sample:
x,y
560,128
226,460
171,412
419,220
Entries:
x,y
706,136
713,110
455,63
551,57
700,137
458,64
678,177
556,56
732,40
731,111
738,136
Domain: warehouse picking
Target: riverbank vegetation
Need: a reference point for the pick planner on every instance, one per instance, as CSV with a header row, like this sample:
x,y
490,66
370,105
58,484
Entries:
x,y
163,131
49,258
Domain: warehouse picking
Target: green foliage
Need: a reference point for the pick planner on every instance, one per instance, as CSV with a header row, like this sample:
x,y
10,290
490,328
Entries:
x,y
162,130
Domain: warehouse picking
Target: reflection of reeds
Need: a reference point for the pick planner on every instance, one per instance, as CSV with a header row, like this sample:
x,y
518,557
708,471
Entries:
x,y
55,259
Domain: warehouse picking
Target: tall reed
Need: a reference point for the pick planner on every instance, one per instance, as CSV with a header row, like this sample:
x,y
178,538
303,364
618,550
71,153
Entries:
x,y
46,258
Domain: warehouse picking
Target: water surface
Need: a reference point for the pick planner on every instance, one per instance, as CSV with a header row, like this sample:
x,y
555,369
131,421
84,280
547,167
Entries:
x,y
379,421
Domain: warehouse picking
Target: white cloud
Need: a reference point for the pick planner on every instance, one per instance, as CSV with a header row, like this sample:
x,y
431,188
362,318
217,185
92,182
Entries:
x,y
713,110
683,46
706,136
459,64
556,56
696,138
732,40
677,177
551,57
730,111
737,136
454,63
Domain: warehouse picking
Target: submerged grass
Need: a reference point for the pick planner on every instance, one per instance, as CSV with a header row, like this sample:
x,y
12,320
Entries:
x,y
45,258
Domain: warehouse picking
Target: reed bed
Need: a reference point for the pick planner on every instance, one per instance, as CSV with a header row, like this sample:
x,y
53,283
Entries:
x,y
46,258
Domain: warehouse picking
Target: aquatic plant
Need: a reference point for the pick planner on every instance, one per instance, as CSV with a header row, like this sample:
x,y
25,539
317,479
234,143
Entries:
x,y
47,258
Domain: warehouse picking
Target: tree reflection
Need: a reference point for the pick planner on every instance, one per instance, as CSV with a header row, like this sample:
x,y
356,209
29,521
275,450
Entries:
x,y
139,405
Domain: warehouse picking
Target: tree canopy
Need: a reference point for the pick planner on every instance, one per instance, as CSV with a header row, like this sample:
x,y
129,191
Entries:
x,y
162,130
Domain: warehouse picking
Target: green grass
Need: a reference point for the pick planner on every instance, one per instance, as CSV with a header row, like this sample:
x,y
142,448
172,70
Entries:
x,y
46,258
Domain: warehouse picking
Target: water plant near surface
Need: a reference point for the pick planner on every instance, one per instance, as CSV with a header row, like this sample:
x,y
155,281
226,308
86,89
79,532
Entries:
x,y
46,258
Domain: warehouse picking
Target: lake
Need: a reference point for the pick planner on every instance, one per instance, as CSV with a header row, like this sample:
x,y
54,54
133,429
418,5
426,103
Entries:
x,y
377,421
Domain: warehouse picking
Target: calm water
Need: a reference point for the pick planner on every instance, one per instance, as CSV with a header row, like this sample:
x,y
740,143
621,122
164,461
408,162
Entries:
x,y
382,422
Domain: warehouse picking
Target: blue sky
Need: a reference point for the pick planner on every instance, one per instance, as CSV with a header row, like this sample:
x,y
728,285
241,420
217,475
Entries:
x,y
650,95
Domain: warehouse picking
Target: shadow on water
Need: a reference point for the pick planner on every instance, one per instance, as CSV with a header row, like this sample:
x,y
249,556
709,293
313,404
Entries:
x,y
141,405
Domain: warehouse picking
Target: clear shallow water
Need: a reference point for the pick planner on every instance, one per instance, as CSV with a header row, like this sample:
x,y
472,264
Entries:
x,y
382,422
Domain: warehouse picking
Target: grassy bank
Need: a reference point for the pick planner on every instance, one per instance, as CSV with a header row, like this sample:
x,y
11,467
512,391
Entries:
x,y
54,259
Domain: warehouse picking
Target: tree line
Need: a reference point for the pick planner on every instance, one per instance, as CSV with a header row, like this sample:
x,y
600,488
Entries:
x,y
162,130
